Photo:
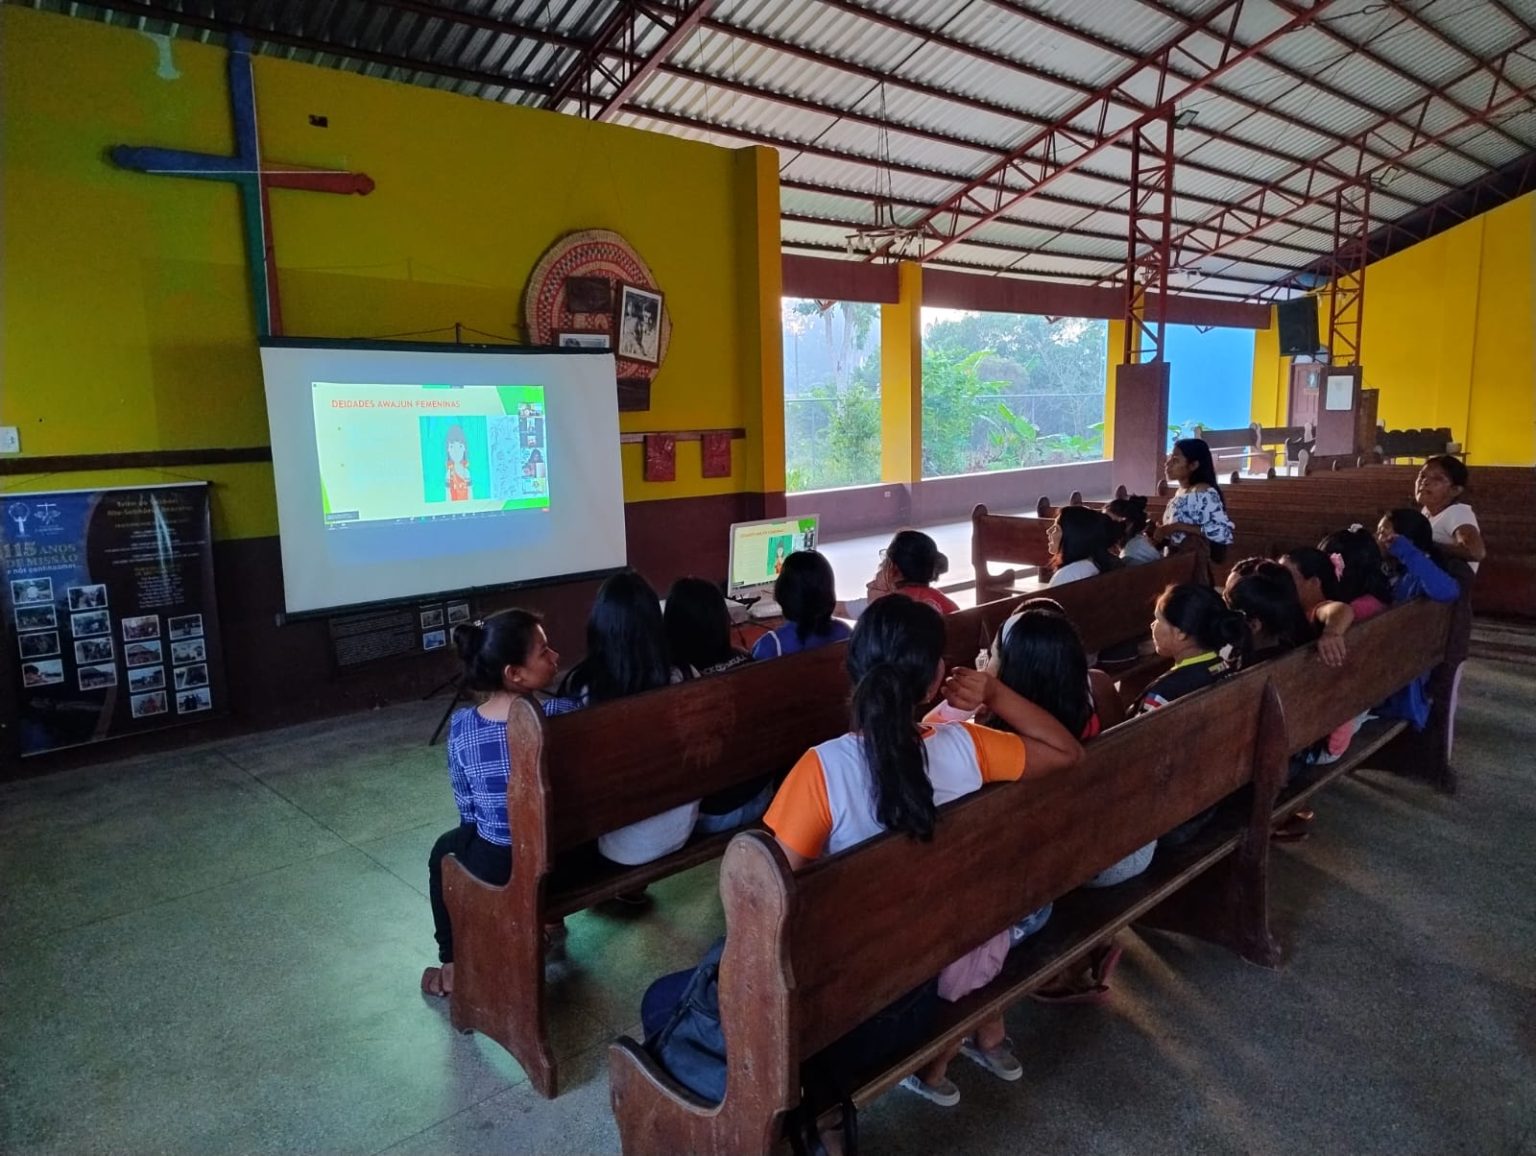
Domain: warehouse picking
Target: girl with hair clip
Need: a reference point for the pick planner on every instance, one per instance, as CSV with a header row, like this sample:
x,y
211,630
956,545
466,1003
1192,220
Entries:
x,y
1360,579
1439,490
1192,626
806,592
910,566
892,772
627,654
1136,549
1197,507
506,657
1266,598
1081,541
1317,585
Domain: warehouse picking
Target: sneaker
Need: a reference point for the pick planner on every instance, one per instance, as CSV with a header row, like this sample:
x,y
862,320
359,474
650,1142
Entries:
x,y
944,1093
1000,1061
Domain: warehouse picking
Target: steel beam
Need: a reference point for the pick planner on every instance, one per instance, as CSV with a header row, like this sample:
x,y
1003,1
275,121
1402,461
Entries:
x,y
1314,184
599,88
1063,147
1346,271
1149,227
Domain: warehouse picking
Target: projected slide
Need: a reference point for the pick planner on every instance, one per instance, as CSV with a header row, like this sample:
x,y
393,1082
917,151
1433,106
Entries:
x,y
411,453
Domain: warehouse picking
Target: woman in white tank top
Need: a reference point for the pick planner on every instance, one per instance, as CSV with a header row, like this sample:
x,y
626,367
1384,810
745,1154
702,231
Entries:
x,y
1438,491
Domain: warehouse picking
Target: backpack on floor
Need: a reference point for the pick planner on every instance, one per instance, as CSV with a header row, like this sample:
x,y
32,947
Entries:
x,y
690,1045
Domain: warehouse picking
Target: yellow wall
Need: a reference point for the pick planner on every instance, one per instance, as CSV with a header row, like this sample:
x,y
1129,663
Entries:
x,y
1448,337
128,323
901,379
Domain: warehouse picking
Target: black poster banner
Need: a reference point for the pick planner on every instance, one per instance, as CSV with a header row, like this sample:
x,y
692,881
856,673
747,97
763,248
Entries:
x,y
110,615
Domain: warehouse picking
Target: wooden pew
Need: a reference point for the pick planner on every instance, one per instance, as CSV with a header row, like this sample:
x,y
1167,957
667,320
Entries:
x,y
810,956
1005,538
579,776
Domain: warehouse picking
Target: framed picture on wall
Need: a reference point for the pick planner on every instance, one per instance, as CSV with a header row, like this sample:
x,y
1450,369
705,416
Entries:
x,y
584,339
637,321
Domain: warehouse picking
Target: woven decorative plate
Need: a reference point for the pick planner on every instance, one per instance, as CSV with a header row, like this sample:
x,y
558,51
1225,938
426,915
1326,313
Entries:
x,y
589,253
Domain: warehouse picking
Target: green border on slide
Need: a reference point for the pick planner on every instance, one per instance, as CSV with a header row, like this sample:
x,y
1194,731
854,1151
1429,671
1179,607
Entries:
x,y
325,499
526,503
513,396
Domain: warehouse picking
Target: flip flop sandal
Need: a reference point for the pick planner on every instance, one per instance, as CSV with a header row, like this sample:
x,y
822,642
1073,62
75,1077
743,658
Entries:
x,y
1103,964
432,983
1063,996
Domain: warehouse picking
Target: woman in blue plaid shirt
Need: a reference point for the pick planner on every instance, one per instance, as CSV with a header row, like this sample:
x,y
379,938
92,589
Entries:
x,y
506,656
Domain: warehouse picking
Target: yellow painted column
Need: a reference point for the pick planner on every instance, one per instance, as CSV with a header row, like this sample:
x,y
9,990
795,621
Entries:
x,y
1270,371
901,379
762,344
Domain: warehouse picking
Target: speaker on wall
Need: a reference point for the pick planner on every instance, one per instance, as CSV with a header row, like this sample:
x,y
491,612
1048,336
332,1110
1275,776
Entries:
x,y
1297,321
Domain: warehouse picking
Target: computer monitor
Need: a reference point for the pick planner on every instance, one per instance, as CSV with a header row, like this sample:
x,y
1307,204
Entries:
x,y
758,550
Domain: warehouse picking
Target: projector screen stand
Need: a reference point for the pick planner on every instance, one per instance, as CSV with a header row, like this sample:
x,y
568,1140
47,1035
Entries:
x,y
457,682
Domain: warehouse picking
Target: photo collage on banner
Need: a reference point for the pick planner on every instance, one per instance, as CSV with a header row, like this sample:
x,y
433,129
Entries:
x,y
109,602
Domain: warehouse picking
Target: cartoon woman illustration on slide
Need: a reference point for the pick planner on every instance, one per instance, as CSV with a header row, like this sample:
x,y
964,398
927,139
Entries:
x,y
458,465
778,556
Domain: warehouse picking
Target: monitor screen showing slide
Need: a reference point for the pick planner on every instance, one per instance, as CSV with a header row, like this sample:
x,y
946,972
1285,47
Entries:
x,y
405,471
758,550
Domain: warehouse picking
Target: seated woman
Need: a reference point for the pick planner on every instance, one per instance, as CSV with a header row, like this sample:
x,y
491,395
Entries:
x,y
1136,549
909,566
627,654
806,592
1317,585
1197,507
1440,491
506,657
698,626
1266,598
1192,626
1081,541
893,773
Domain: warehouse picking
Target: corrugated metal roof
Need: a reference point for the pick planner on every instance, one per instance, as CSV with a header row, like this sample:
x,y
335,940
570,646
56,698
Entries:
x,y
903,103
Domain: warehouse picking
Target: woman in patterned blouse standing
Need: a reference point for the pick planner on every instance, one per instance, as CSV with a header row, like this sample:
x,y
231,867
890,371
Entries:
x,y
1197,508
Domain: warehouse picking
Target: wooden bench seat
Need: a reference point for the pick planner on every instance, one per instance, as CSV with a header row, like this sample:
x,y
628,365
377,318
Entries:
x,y
809,956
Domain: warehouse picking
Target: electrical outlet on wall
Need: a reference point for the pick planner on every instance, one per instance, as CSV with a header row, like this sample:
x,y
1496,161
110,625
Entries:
x,y
10,440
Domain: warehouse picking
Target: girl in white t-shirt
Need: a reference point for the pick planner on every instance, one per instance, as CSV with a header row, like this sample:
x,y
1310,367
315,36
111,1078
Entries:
x,y
1438,491
1081,542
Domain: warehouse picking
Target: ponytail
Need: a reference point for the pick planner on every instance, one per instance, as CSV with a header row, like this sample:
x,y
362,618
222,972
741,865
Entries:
x,y
492,644
1199,612
895,651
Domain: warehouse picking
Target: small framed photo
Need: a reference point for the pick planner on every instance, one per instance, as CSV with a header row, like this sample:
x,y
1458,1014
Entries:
x,y
189,650
432,618
458,612
37,617
189,676
92,622
39,645
96,677
91,650
145,705
146,678
144,626
42,672
637,321
186,626
434,640
191,701
584,339
142,653
87,597
31,591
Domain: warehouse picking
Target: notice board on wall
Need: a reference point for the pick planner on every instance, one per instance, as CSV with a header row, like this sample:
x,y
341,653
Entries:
x,y
110,616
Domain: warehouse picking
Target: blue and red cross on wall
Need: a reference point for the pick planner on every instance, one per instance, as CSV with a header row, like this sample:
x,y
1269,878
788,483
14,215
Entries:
x,y
253,175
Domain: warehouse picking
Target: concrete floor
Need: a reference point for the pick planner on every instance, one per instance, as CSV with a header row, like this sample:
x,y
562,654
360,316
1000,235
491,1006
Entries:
x,y
218,950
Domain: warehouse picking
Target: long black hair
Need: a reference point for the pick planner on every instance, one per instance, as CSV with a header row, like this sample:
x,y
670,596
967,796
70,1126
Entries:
x,y
1413,525
1313,563
1043,660
1198,454
1267,595
892,659
1362,574
1200,613
489,646
626,642
1086,533
806,591
1131,513
698,624
916,557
